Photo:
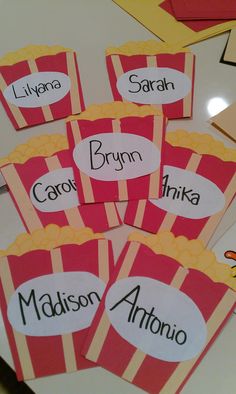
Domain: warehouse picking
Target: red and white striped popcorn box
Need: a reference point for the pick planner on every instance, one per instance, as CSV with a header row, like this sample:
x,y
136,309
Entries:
x,y
199,183
40,180
48,297
153,72
39,84
117,152
153,325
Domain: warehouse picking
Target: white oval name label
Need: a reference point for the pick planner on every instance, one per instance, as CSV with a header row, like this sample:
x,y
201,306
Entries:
x,y
38,89
153,85
156,318
55,191
55,304
115,156
189,195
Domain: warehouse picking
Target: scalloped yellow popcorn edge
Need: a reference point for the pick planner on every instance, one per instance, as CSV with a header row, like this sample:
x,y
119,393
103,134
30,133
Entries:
x,y
189,253
31,52
116,110
149,47
44,145
201,143
50,237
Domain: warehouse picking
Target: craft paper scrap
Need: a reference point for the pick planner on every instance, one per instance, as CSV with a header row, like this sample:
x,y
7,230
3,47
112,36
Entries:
x,y
48,297
39,84
152,72
117,149
225,248
229,55
41,183
153,325
225,121
199,183
201,9
158,17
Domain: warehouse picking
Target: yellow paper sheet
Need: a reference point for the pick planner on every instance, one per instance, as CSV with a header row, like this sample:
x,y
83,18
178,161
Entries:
x,y
225,121
165,26
230,52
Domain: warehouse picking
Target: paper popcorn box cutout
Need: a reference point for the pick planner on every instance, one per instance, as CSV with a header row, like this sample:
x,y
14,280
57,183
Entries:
x,y
153,325
198,185
153,73
117,150
39,84
48,297
41,182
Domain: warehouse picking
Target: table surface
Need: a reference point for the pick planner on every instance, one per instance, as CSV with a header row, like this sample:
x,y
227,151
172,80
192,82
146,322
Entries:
x,y
90,27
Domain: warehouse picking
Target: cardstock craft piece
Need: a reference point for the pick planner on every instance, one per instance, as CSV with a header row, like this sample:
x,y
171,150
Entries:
x,y
153,325
225,249
225,121
151,72
201,9
158,17
48,298
117,150
229,55
41,183
39,84
199,183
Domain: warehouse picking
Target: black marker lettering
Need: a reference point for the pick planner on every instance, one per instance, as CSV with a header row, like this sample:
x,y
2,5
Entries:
x,y
147,320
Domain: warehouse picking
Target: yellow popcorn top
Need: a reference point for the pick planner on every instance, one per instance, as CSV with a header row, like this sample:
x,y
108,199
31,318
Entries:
x,y
31,52
189,253
116,109
201,143
44,145
150,47
52,236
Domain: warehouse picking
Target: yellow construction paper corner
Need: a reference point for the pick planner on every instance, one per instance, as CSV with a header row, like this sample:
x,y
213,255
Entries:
x,y
201,143
31,52
165,26
150,47
44,145
189,253
115,110
50,237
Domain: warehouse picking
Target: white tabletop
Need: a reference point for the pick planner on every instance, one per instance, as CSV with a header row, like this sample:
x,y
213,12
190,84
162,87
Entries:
x,y
89,27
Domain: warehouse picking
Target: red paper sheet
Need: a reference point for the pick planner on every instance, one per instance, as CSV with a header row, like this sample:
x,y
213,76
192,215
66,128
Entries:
x,y
44,191
195,25
201,9
194,199
48,299
153,325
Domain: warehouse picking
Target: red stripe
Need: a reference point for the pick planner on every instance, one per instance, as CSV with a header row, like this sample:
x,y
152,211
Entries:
x,y
133,62
47,355
218,171
153,374
113,351
9,331
112,79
